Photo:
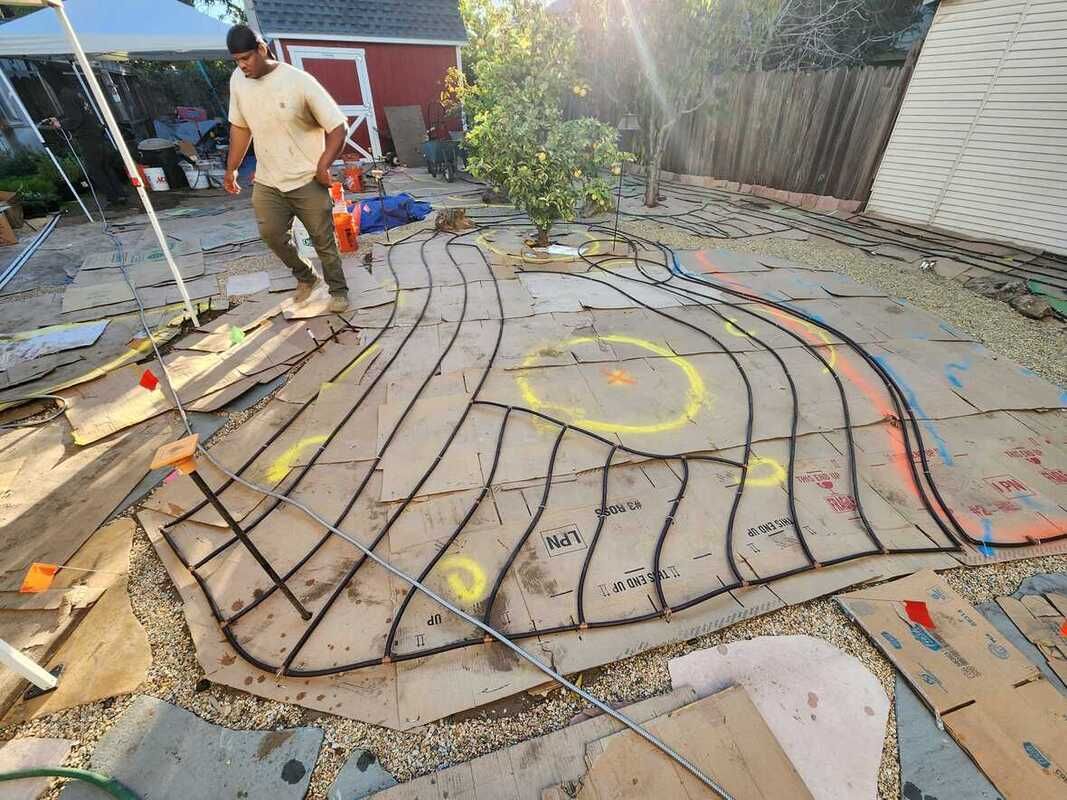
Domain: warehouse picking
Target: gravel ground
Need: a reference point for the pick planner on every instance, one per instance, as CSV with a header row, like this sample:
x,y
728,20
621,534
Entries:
x,y
175,673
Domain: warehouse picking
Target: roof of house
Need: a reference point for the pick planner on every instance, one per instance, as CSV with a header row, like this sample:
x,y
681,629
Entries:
x,y
406,20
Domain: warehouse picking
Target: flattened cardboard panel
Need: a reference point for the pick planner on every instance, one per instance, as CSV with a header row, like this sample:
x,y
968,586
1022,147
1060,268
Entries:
x,y
813,698
107,655
521,770
961,660
722,735
1019,739
65,494
974,373
365,694
409,456
716,261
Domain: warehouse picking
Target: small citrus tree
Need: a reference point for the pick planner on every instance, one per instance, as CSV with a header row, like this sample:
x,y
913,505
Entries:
x,y
518,140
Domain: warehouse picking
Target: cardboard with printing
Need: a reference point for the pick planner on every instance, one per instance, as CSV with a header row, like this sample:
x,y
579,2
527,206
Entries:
x,y
993,701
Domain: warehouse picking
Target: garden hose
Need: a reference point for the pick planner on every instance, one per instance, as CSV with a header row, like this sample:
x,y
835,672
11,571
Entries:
x,y
102,782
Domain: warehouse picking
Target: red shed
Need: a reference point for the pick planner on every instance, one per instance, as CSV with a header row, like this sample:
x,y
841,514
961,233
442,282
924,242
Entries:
x,y
368,55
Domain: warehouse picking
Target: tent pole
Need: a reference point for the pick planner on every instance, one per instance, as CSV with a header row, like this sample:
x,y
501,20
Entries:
x,y
120,143
10,89
92,102
211,87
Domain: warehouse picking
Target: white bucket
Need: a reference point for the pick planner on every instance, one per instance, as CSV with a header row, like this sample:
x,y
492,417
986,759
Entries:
x,y
157,179
302,239
197,176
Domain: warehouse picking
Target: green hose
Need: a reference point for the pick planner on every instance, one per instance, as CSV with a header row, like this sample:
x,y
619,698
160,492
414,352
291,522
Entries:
x,y
109,785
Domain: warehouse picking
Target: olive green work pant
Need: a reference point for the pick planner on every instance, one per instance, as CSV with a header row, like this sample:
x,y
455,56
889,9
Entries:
x,y
311,204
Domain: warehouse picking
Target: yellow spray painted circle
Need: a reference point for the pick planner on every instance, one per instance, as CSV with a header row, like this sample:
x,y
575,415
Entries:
x,y
466,578
696,394
764,471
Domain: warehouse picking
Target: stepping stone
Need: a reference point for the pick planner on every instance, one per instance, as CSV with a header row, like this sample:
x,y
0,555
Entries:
x,y
361,776
162,752
27,753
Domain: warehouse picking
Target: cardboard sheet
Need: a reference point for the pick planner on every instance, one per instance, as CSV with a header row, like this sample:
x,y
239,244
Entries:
x,y
107,655
723,735
64,493
524,770
26,346
992,700
813,699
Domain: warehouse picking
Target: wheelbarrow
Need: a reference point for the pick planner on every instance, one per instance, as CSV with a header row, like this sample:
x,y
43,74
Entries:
x,y
441,157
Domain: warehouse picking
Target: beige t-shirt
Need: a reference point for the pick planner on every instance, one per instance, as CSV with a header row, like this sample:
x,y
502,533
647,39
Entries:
x,y
288,112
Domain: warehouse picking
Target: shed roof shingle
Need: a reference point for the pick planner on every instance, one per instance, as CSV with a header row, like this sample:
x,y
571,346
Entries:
x,y
430,20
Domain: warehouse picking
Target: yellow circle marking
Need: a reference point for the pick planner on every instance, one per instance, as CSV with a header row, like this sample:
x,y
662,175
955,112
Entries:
x,y
465,577
695,397
764,471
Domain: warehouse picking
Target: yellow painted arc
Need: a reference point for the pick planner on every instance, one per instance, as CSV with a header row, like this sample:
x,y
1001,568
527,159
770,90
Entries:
x,y
696,394
763,471
280,466
466,578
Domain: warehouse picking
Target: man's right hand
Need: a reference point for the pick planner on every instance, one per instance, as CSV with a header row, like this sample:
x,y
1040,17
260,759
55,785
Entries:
x,y
229,183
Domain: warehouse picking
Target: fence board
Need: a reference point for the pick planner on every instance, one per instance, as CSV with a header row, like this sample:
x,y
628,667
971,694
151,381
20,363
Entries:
x,y
811,132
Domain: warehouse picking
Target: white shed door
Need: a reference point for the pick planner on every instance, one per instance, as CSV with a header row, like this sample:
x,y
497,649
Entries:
x,y
980,145
343,73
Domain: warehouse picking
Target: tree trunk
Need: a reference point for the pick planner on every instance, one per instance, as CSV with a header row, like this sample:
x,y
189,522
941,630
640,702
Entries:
x,y
542,238
659,147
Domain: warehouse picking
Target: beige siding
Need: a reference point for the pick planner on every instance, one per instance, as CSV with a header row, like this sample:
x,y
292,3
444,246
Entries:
x,y
980,144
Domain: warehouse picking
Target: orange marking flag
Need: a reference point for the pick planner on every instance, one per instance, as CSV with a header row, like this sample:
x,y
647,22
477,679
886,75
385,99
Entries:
x,y
1063,629
39,577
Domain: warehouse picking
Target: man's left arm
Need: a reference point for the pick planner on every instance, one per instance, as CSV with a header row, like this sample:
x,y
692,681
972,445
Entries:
x,y
335,142
332,120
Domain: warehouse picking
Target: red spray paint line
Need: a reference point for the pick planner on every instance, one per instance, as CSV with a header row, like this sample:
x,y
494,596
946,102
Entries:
x,y
1063,629
918,612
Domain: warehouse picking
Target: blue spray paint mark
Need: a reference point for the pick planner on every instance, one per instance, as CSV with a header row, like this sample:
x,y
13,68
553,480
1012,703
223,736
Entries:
x,y
1063,398
987,538
1029,373
913,401
952,368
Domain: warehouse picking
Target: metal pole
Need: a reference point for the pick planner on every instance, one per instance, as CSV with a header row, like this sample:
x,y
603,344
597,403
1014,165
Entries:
x,y
239,532
618,203
26,114
92,103
127,159
211,87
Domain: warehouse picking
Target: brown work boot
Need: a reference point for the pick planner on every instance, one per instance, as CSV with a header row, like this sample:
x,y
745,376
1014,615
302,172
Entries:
x,y
338,303
303,290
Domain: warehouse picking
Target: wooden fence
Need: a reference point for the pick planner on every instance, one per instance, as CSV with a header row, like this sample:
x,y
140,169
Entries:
x,y
814,132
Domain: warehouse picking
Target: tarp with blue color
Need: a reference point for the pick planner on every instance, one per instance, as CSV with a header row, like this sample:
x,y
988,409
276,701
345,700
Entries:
x,y
398,210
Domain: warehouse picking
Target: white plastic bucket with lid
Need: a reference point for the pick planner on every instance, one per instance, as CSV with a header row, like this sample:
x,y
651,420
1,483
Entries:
x,y
302,239
157,179
196,175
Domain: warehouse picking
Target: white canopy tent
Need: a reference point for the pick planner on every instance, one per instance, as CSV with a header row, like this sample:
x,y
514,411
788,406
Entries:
x,y
118,29
164,30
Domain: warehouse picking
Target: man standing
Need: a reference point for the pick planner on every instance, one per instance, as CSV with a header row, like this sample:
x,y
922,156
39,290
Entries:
x,y
298,130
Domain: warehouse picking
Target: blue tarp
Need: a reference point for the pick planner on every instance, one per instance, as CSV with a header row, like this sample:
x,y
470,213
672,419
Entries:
x,y
191,132
400,209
